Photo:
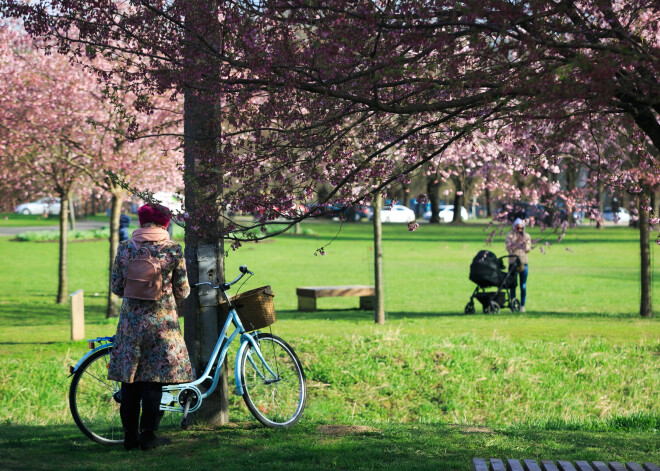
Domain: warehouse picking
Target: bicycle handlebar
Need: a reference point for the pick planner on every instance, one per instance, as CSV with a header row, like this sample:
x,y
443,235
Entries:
x,y
225,286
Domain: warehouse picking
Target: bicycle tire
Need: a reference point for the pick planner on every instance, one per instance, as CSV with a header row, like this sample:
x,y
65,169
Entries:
x,y
94,400
275,401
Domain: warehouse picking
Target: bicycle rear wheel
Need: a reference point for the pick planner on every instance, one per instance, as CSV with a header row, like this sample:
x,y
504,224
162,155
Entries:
x,y
94,400
274,390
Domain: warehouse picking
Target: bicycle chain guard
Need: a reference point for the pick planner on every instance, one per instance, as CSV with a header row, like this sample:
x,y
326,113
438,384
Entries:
x,y
191,394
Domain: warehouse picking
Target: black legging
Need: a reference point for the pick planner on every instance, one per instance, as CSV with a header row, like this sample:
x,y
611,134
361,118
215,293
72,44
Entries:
x,y
131,395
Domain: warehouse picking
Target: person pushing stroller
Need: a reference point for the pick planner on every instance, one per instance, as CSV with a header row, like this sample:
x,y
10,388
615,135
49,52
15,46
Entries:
x,y
519,243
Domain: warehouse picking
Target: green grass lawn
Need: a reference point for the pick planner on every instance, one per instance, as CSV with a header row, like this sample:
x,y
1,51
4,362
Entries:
x,y
575,377
20,220
24,220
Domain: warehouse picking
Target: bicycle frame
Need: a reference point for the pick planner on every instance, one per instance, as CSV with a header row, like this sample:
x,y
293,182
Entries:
x,y
217,358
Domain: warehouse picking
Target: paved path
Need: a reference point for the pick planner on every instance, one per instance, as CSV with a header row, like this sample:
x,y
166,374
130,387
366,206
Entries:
x,y
80,226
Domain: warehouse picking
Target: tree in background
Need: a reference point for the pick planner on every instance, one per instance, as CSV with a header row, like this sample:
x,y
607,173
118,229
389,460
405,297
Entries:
x,y
616,154
58,134
42,116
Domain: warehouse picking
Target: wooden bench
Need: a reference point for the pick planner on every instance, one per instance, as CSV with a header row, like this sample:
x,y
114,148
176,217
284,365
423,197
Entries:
x,y
307,295
494,464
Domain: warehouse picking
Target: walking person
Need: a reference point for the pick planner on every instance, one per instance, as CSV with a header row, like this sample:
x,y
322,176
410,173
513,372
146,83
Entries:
x,y
149,349
124,222
518,242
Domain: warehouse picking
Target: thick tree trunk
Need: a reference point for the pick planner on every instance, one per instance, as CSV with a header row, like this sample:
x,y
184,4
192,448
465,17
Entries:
x,y
646,307
62,288
459,197
433,191
405,195
204,258
489,212
72,212
379,301
458,204
599,201
112,308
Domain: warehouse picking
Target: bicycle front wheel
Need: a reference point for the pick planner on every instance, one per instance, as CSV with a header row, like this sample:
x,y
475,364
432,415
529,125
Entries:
x,y
273,387
94,400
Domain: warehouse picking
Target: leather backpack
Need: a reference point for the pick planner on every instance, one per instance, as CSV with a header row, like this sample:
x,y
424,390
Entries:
x,y
144,278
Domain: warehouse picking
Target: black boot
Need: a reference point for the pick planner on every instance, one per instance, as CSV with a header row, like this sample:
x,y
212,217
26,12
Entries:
x,y
131,441
151,415
129,411
149,440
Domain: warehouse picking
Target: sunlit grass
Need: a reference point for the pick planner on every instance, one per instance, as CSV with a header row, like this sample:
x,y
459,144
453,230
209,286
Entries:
x,y
580,367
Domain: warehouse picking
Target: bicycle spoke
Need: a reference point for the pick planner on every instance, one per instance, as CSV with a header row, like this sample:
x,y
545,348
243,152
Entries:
x,y
274,386
102,382
94,402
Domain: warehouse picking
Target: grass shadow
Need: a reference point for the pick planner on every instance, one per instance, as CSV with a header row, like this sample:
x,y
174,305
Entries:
x,y
311,446
17,314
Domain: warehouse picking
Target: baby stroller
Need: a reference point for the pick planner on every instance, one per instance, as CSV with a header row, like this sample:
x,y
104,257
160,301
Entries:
x,y
488,271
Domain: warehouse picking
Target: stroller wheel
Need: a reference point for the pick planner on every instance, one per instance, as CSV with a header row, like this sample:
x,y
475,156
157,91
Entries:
x,y
492,308
469,308
515,305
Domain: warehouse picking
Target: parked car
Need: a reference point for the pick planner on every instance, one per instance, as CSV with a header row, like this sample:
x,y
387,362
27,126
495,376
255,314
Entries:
x,y
48,205
350,213
622,215
446,213
396,213
340,210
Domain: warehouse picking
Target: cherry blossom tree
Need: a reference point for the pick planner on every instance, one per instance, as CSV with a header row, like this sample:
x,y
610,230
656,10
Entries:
x,y
615,154
42,107
383,71
59,134
298,83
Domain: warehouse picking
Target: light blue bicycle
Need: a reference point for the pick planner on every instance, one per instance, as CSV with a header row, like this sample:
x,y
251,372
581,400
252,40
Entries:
x,y
267,372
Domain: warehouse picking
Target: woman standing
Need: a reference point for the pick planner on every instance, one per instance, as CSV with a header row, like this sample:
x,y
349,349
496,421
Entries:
x,y
149,350
519,243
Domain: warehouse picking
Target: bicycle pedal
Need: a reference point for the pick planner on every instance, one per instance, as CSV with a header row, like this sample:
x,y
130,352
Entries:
x,y
186,423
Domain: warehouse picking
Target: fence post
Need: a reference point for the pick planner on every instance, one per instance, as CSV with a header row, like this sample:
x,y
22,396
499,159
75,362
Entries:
x,y
77,316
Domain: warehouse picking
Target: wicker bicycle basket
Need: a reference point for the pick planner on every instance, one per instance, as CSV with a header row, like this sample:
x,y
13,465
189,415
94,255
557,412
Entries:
x,y
255,308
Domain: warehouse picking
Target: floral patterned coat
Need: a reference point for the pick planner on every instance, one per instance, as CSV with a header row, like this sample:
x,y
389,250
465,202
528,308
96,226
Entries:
x,y
148,344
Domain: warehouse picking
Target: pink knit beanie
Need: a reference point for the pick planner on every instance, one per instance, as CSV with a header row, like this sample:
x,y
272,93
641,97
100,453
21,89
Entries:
x,y
154,213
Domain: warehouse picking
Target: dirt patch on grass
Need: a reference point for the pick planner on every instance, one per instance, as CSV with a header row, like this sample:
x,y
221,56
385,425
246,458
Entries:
x,y
341,430
471,429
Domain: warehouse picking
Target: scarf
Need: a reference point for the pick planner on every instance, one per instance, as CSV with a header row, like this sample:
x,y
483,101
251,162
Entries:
x,y
150,234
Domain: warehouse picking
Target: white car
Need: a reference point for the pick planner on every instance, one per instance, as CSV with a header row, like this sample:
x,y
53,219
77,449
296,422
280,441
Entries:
x,y
396,213
622,215
48,205
446,213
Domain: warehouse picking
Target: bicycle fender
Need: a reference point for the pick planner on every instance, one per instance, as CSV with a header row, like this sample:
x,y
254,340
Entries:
x,y
88,354
245,340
